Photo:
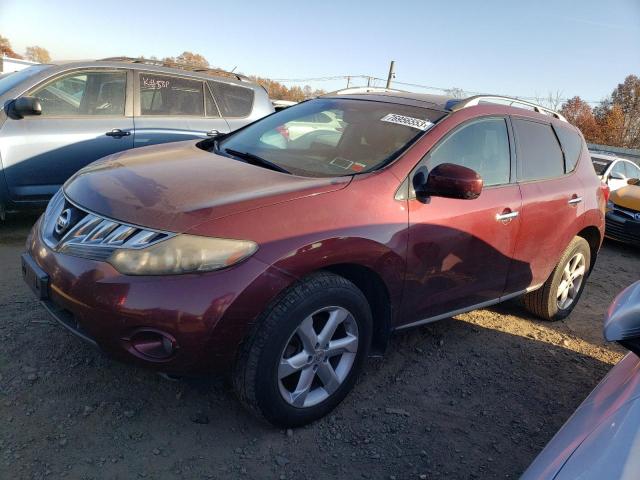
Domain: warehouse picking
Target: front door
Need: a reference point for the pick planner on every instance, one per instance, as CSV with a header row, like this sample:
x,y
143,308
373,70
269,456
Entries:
x,y
460,251
84,118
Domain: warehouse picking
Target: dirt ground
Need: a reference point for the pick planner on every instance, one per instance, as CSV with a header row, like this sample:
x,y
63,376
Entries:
x,y
476,396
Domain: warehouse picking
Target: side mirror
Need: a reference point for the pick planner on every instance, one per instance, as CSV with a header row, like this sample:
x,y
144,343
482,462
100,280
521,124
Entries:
x,y
448,180
622,322
616,176
24,106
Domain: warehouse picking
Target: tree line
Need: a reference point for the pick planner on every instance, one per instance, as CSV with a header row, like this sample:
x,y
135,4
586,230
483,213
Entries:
x,y
615,121
34,53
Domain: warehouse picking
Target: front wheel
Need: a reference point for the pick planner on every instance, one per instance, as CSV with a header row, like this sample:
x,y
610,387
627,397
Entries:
x,y
307,351
560,293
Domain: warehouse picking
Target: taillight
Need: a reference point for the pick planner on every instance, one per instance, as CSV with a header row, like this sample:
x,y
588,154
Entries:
x,y
606,191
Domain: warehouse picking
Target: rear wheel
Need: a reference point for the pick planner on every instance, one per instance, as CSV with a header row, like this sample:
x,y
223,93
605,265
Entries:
x,y
307,351
560,293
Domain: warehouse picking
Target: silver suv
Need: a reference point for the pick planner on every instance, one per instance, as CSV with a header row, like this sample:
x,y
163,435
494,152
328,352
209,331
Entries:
x,y
55,119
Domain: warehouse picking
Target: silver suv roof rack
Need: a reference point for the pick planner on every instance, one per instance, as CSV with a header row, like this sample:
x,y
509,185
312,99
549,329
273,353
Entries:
x,y
178,65
509,101
359,90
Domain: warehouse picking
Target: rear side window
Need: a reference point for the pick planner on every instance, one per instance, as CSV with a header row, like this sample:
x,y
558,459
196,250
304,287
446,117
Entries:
x,y
539,154
571,145
165,95
233,101
482,146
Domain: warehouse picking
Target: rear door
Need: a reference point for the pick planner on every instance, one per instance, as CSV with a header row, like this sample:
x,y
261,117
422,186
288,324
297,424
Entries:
x,y
551,202
86,115
460,251
171,108
235,102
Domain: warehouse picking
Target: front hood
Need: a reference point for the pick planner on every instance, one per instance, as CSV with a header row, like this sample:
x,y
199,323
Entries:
x,y
627,197
177,186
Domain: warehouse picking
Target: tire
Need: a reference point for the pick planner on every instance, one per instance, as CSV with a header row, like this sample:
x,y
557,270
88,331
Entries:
x,y
547,302
279,358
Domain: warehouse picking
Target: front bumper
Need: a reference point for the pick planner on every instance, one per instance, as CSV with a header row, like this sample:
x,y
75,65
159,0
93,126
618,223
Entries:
x,y
620,226
207,314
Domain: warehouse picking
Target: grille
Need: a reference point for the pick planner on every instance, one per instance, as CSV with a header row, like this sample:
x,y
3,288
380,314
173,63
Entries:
x,y
618,231
626,212
68,228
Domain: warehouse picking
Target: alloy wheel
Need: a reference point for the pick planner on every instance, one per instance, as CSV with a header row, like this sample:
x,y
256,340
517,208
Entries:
x,y
571,282
318,356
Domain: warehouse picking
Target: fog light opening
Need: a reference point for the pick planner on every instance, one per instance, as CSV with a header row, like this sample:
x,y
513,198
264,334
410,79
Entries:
x,y
153,344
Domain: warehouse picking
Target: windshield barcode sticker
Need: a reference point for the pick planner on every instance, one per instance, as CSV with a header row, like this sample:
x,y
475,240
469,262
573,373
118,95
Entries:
x,y
407,121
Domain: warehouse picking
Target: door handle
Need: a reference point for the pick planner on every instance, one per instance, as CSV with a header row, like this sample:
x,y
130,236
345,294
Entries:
x,y
117,133
213,133
574,200
506,216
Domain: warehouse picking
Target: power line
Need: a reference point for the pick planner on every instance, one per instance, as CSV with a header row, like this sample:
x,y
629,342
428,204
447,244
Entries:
x,y
407,84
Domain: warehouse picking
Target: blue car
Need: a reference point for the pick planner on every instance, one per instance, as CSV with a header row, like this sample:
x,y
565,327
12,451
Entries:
x,y
55,119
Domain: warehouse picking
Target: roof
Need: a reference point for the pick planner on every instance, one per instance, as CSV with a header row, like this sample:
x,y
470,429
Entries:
x,y
435,102
443,103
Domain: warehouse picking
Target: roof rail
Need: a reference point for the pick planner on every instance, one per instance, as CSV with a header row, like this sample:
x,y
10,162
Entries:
x,y
178,65
509,101
359,90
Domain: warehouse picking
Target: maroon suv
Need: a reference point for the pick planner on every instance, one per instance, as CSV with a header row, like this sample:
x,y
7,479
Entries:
x,y
283,253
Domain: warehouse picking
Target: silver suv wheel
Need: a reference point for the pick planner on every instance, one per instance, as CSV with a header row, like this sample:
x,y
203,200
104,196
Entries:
x,y
572,278
318,357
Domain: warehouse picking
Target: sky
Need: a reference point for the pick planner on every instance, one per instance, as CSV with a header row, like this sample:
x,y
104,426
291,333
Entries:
x,y
519,48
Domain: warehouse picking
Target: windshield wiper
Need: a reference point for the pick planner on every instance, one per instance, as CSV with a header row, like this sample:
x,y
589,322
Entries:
x,y
256,160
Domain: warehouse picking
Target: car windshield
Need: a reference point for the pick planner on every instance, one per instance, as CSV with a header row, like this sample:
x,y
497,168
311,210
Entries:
x,y
9,81
600,165
330,136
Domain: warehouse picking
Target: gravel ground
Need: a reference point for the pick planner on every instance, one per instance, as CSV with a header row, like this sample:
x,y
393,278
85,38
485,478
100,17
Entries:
x,y
476,396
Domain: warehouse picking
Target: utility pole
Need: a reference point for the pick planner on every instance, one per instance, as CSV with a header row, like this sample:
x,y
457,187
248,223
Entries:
x,y
348,81
368,81
392,74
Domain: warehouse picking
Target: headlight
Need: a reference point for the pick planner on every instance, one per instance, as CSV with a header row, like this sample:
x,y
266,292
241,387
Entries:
x,y
182,254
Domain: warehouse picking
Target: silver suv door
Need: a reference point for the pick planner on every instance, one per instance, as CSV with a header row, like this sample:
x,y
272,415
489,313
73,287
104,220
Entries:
x,y
85,116
170,108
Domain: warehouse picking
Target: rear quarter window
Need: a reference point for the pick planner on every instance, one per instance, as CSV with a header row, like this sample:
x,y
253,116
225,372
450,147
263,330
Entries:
x,y
538,150
234,101
571,142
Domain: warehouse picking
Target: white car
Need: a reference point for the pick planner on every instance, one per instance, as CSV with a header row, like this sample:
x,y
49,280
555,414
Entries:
x,y
614,171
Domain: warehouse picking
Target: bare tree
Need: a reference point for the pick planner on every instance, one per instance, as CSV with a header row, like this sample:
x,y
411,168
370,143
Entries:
x,y
37,54
553,100
456,92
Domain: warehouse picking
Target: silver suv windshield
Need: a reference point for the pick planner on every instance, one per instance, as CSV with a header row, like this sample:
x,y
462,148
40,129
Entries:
x,y
7,82
330,136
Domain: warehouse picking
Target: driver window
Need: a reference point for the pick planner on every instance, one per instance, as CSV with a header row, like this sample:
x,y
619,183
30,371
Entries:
x,y
85,93
482,146
632,170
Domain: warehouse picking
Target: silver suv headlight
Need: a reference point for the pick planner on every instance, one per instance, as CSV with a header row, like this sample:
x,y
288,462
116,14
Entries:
x,y
182,254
